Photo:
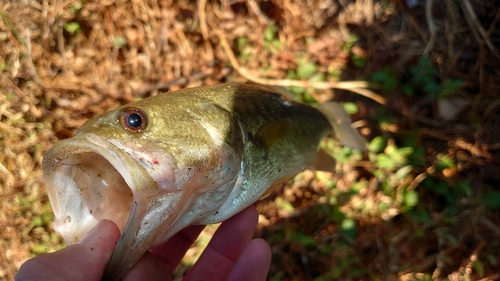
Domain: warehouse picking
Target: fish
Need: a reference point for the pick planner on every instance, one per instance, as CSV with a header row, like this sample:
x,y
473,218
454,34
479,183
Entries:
x,y
195,156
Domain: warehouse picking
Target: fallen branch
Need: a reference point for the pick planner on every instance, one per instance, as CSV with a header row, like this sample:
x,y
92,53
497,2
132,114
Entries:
x,y
431,25
476,27
358,87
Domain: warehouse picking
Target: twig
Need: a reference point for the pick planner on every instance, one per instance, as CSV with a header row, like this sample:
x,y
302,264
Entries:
x,y
475,25
18,91
491,225
353,86
431,25
489,109
405,12
417,180
204,30
30,56
256,10
472,260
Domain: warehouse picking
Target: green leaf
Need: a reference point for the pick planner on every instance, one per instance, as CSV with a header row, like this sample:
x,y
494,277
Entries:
x,y
285,205
302,239
10,96
387,77
317,77
450,86
420,215
119,41
407,89
306,69
39,249
383,161
348,228
423,69
309,99
350,43
350,107
269,33
327,249
465,187
432,89
479,267
297,91
443,162
76,7
72,27
241,42
377,144
403,173
491,199
411,198
358,61
36,221
400,155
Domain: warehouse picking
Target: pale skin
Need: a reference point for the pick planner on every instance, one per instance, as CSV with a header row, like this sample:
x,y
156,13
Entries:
x,y
232,254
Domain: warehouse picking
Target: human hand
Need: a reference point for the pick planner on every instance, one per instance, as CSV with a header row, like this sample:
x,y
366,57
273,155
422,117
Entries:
x,y
230,255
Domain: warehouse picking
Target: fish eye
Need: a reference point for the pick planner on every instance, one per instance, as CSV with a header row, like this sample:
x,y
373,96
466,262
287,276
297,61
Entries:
x,y
134,119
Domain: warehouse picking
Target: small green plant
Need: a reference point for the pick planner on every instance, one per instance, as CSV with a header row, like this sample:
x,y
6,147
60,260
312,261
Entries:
x,y
244,49
349,43
271,41
387,77
491,199
306,70
350,107
119,41
423,79
3,66
72,27
76,7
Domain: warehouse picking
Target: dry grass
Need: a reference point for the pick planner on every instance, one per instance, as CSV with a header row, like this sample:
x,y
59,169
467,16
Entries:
x,y
63,61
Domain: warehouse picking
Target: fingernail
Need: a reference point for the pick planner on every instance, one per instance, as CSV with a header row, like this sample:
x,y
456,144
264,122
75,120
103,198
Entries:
x,y
98,231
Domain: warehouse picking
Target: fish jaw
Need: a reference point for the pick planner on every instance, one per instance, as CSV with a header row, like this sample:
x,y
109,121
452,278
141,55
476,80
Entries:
x,y
88,179
157,219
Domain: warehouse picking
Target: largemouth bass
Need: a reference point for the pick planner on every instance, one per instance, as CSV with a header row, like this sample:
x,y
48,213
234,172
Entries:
x,y
190,157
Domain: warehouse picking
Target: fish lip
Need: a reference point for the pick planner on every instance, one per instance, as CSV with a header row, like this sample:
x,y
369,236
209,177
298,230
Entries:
x,y
73,217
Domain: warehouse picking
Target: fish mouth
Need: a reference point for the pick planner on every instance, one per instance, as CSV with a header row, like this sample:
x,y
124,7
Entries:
x,y
89,179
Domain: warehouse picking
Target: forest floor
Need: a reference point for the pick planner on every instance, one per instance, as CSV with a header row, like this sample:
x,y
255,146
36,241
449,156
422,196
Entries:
x,y
421,80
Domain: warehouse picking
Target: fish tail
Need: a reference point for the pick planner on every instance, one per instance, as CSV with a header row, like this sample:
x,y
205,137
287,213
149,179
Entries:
x,y
341,124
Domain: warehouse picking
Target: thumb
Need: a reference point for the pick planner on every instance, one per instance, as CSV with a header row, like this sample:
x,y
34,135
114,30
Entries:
x,y
83,261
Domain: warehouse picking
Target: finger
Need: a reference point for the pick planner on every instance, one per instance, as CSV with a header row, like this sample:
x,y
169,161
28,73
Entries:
x,y
170,254
73,262
254,262
147,268
225,247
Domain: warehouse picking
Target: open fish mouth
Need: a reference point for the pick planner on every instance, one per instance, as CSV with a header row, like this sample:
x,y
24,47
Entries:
x,y
89,179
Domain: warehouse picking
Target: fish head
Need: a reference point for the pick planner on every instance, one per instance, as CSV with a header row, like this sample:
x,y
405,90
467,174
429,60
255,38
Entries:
x,y
97,174
130,166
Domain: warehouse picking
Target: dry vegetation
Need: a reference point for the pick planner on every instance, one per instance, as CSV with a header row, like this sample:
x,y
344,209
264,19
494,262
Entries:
x,y
422,204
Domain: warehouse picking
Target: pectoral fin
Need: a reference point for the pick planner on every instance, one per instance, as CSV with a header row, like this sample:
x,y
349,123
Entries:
x,y
341,123
324,162
272,132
